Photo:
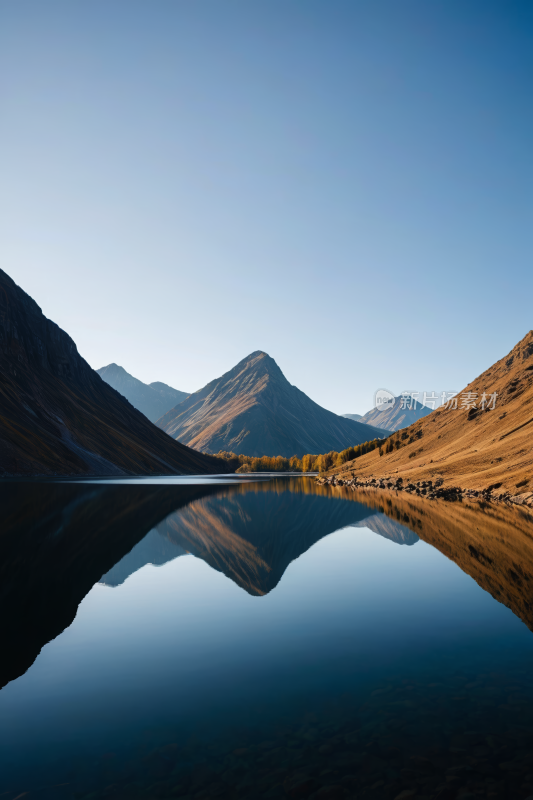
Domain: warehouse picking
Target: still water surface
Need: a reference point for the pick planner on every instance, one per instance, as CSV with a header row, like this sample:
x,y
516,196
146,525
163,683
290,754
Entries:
x,y
262,639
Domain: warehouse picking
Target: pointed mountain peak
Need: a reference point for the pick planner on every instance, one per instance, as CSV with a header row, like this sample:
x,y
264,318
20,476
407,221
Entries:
x,y
257,355
253,409
257,363
112,369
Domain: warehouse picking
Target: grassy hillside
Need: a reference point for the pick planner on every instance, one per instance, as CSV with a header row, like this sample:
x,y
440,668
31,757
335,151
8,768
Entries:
x,y
472,447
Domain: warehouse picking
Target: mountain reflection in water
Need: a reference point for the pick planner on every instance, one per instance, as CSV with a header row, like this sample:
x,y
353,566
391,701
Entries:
x,y
252,532
440,690
58,540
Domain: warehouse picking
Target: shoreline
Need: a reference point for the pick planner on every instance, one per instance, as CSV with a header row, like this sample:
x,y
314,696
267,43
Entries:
x,y
433,490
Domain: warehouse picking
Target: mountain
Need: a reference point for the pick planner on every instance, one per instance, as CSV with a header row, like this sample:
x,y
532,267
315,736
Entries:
x,y
253,410
396,417
485,445
153,399
355,417
58,417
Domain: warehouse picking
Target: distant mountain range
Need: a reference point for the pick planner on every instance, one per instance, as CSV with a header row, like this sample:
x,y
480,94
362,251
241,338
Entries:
x,y
355,417
152,399
58,417
400,415
253,410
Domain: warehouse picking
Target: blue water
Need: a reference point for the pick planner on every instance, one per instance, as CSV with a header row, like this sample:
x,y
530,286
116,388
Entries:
x,y
171,671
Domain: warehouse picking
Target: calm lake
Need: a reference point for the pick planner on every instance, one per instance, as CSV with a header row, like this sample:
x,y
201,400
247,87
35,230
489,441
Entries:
x,y
270,638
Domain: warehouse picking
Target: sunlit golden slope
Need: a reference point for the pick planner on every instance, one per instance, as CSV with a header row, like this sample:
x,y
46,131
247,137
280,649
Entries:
x,y
471,449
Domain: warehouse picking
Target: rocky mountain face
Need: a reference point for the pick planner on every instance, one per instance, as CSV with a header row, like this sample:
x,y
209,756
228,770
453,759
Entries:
x,y
152,399
58,417
480,441
255,411
400,415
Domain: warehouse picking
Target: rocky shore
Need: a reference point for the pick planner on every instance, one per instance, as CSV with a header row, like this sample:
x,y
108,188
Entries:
x,y
432,490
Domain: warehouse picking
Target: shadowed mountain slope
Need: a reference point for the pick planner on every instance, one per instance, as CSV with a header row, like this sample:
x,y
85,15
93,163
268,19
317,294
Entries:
x,y
153,399
57,416
471,447
396,417
253,410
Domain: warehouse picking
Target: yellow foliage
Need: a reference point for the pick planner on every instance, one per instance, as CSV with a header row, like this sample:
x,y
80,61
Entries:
x,y
308,463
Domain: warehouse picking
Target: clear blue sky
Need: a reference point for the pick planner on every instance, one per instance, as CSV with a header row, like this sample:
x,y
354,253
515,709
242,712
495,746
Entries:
x,y
345,185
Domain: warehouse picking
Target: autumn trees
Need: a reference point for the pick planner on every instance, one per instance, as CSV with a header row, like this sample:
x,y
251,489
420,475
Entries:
x,y
308,462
